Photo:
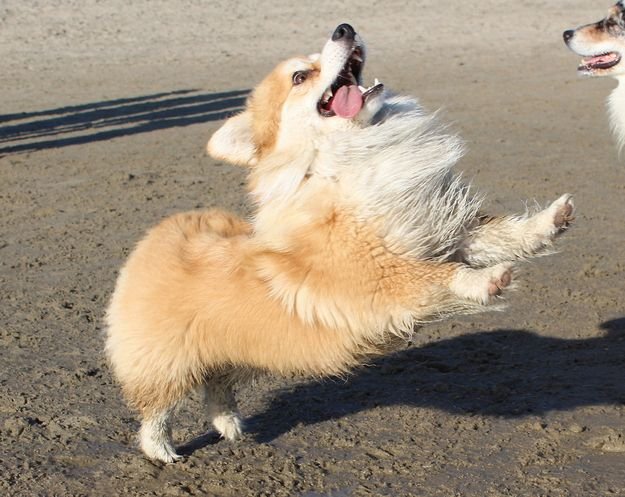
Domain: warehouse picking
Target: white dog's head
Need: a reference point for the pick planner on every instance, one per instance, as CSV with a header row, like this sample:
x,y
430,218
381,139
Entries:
x,y
302,100
601,44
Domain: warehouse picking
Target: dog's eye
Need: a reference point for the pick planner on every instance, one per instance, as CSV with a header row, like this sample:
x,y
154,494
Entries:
x,y
299,77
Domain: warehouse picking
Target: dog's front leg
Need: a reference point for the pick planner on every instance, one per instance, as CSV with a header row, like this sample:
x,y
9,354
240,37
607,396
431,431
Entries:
x,y
510,238
437,290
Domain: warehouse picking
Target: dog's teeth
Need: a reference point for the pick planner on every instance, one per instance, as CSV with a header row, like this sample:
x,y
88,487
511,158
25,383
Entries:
x,y
376,82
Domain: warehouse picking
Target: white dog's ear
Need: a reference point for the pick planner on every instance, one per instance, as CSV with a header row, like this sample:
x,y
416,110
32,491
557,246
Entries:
x,y
233,142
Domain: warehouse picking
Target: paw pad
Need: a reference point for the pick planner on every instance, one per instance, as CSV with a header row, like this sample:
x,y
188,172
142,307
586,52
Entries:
x,y
564,213
497,284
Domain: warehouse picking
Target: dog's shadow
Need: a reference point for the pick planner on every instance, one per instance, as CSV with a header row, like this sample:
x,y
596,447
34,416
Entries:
x,y
507,373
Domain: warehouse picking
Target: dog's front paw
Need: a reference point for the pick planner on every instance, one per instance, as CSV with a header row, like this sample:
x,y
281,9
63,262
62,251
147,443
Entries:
x,y
563,211
556,218
543,228
500,277
482,285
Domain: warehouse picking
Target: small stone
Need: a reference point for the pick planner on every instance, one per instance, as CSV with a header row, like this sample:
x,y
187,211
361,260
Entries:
x,y
576,428
14,426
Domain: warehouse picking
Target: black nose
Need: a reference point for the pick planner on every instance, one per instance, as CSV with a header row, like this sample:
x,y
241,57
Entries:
x,y
567,35
344,32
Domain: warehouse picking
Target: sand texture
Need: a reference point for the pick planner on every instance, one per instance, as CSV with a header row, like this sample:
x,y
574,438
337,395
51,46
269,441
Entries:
x,y
105,109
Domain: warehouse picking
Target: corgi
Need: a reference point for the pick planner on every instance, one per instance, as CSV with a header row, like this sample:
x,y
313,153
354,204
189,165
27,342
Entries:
x,y
361,232
602,46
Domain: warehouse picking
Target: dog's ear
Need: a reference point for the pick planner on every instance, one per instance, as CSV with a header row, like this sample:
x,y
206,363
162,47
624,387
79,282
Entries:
x,y
233,142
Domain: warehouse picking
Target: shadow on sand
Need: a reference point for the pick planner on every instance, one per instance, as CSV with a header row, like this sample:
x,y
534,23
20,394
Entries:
x,y
509,373
506,373
99,121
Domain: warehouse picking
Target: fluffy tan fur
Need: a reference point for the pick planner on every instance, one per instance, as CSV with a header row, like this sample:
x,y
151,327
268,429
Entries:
x,y
199,295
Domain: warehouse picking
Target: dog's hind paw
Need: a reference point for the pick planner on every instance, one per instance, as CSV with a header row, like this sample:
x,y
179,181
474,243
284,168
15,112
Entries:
x,y
160,451
229,426
156,442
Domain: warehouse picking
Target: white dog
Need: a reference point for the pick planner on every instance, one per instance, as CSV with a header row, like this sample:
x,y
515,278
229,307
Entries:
x,y
602,45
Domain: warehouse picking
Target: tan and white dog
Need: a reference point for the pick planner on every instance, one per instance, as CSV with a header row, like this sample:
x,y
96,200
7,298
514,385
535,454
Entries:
x,y
362,231
602,46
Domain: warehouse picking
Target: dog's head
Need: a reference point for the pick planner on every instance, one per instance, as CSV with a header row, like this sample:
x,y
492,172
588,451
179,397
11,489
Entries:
x,y
301,100
601,44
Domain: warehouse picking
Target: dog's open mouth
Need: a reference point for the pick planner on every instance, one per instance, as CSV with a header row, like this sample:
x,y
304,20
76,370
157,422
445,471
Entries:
x,y
601,61
345,97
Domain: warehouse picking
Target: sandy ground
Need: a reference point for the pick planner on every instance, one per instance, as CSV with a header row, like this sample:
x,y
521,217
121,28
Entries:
x,y
105,108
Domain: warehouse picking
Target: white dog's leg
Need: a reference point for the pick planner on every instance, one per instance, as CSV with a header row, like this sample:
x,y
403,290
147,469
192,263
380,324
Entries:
x,y
503,239
155,437
222,408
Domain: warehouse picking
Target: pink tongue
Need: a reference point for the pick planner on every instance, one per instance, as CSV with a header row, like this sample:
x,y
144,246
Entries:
x,y
347,101
600,59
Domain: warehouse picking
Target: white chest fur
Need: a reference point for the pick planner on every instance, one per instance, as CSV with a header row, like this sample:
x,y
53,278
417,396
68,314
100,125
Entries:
x,y
616,109
401,170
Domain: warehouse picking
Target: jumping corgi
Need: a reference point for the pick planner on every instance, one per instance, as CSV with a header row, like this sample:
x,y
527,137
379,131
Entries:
x,y
361,232
602,45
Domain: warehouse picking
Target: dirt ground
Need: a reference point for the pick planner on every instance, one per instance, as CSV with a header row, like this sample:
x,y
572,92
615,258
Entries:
x,y
105,109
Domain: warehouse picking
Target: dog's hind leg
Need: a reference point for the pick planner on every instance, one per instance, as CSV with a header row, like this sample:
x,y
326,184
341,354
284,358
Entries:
x,y
510,238
222,407
155,436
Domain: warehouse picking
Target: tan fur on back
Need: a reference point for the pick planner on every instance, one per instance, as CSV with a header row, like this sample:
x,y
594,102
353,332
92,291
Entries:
x,y
199,290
